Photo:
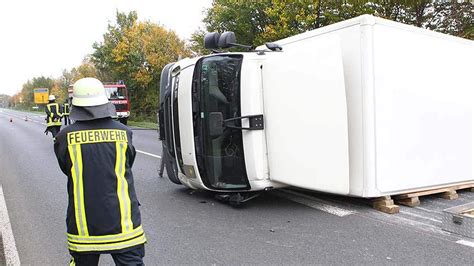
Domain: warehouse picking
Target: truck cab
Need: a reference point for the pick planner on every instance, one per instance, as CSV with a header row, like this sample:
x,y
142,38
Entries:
x,y
117,94
216,112
197,96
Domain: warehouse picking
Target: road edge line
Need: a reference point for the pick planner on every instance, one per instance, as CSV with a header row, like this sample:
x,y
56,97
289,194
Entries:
x,y
315,203
465,243
149,154
9,246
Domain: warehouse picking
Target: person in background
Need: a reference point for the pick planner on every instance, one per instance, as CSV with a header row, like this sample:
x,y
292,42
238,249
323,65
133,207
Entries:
x,y
66,112
53,116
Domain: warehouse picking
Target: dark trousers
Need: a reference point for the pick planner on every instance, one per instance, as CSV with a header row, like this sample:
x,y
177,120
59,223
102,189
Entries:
x,y
130,257
54,130
67,121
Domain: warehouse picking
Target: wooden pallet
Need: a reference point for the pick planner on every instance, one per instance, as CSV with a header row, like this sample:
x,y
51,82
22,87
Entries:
x,y
412,199
385,204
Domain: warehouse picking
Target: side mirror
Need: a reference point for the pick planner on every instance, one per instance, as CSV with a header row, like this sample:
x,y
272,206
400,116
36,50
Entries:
x,y
211,40
227,39
216,124
274,46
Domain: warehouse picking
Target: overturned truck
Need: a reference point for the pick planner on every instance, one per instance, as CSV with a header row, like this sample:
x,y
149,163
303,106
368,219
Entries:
x,y
366,107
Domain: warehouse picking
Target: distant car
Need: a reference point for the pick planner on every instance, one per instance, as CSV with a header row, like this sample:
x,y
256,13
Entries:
x,y
35,107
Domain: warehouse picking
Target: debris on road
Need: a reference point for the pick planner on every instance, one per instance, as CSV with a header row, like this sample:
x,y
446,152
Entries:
x,y
460,220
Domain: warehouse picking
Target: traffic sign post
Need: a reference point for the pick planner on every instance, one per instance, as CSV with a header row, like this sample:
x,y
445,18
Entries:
x,y
41,95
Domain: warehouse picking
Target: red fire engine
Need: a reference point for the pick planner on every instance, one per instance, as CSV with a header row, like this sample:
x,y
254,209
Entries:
x,y
118,95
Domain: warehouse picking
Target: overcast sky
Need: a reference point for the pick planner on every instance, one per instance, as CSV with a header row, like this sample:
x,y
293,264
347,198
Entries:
x,y
43,37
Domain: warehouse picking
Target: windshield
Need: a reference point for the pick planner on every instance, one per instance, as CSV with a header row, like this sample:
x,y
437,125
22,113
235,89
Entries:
x,y
216,88
116,93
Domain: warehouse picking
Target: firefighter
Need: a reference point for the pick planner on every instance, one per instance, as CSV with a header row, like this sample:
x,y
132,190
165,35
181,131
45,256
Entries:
x,y
96,153
66,111
53,116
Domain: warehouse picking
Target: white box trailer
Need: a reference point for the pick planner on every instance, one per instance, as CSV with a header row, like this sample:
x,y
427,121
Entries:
x,y
409,94
366,107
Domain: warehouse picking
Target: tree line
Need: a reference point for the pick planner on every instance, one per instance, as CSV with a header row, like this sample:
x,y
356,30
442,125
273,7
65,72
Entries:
x,y
4,100
135,51
131,50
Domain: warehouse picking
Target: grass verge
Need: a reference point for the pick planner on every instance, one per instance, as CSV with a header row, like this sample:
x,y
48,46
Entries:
x,y
142,124
36,112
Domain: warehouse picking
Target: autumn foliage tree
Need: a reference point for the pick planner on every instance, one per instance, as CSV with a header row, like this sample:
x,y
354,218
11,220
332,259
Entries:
x,y
136,51
25,98
57,87
131,50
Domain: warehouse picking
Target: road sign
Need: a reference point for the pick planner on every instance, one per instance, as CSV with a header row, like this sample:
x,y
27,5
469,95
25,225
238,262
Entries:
x,y
41,95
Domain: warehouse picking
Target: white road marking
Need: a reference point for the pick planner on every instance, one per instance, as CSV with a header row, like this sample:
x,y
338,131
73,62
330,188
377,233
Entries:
x,y
313,202
149,154
428,210
23,118
422,217
466,243
9,246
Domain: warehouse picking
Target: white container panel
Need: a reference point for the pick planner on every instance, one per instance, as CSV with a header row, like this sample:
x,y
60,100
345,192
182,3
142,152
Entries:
x,y
350,43
409,97
349,35
306,116
423,108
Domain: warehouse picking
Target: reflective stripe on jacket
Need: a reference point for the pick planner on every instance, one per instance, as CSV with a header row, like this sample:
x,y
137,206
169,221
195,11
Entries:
x,y
66,109
103,215
53,115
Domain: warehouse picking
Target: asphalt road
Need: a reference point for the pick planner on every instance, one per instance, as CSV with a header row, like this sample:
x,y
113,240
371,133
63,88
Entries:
x,y
187,227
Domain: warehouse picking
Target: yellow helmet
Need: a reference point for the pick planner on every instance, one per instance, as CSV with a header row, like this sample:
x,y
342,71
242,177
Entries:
x,y
88,92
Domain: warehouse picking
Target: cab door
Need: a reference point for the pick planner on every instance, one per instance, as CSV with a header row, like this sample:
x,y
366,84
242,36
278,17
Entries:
x,y
306,127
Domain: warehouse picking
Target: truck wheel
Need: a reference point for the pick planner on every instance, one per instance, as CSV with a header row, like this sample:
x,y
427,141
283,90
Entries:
x,y
123,120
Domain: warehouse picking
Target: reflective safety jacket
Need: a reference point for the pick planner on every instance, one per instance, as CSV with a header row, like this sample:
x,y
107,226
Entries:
x,y
66,109
53,115
102,215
